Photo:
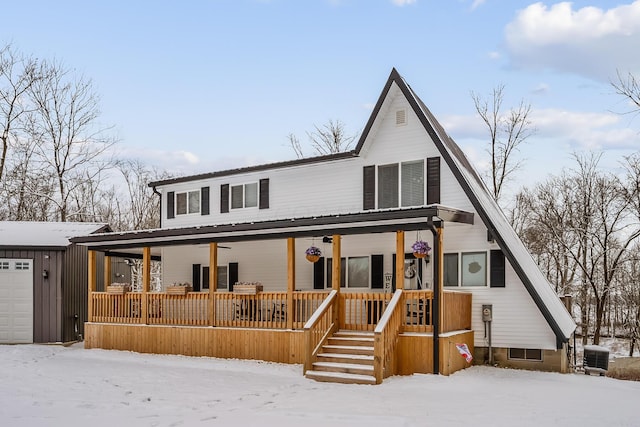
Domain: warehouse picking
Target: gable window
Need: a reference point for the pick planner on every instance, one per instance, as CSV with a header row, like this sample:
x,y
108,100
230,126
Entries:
x,y
401,184
412,185
465,269
525,354
388,186
244,196
354,272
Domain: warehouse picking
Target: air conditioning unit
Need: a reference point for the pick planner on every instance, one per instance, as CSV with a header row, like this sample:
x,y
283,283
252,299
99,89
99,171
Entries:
x,y
595,359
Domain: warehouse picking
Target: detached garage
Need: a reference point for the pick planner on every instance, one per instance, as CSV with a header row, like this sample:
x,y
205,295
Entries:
x,y
43,281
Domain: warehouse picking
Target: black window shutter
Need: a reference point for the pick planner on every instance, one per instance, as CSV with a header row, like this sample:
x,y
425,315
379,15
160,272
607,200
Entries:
x,y
204,195
224,198
196,277
318,274
433,180
205,278
377,274
233,275
497,269
264,193
369,187
170,202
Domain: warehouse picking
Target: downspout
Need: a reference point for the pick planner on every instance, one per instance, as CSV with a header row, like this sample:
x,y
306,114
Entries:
x,y
433,226
160,195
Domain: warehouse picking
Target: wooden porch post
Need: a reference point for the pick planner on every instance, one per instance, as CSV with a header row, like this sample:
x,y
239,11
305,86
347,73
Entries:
x,y
338,317
399,259
91,282
213,281
146,281
107,271
291,279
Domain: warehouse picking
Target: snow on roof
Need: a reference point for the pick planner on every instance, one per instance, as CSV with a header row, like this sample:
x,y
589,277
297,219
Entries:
x,y
27,233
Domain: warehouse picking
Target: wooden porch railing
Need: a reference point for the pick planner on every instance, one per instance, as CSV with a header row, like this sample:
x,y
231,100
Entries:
x,y
362,311
418,311
386,335
262,310
318,328
110,308
270,310
457,311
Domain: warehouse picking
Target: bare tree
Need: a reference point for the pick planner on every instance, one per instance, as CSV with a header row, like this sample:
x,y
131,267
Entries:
x,y
143,205
590,223
70,142
295,145
629,87
17,75
506,133
330,138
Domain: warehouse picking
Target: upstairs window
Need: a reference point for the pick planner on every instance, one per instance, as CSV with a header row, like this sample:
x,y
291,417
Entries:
x,y
244,196
401,184
250,195
188,202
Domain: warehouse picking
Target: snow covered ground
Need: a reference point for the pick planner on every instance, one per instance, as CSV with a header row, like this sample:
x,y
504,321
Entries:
x,y
70,386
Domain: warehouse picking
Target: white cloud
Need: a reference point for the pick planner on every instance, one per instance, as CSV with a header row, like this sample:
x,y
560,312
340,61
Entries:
x,y
403,2
476,4
578,130
494,55
541,89
589,41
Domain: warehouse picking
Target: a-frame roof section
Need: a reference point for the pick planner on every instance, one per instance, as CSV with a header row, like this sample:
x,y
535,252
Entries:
x,y
490,213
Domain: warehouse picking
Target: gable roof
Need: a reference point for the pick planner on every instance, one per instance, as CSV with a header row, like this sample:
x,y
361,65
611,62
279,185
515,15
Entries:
x,y
33,234
490,213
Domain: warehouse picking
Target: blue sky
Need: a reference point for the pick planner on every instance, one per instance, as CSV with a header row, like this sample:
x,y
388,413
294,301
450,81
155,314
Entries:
x,y
207,85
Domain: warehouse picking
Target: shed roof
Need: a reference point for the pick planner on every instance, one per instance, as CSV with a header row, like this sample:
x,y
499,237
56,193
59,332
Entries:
x,y
29,234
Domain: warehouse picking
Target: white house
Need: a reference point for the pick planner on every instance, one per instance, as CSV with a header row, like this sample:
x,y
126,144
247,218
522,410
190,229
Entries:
x,y
406,180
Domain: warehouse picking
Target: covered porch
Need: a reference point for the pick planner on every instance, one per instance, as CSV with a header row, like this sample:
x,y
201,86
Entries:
x,y
413,330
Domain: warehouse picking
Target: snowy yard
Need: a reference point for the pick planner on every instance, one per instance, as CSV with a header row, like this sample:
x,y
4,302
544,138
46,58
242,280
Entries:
x,y
70,386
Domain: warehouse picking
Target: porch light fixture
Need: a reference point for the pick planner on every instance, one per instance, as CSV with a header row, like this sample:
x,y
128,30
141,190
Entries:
x,y
45,274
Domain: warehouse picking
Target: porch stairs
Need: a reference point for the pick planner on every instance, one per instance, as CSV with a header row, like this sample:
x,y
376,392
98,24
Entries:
x,y
347,357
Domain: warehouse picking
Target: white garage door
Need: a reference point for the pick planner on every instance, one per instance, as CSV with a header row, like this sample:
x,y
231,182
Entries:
x,y
16,300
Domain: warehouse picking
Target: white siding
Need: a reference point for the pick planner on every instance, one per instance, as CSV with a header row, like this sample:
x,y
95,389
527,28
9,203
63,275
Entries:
x,y
517,322
336,187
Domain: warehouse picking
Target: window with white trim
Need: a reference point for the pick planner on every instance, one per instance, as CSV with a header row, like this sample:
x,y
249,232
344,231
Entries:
x,y
4,265
354,272
534,354
401,184
467,269
244,196
188,202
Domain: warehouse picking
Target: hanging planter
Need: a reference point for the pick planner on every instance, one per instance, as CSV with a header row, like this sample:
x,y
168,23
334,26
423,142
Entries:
x,y
313,253
421,249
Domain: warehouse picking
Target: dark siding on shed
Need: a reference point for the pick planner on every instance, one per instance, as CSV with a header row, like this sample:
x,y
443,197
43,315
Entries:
x,y
62,294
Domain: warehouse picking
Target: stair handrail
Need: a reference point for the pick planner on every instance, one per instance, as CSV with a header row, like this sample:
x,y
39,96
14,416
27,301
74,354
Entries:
x,y
386,335
319,328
